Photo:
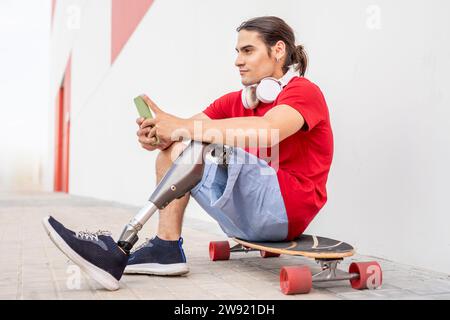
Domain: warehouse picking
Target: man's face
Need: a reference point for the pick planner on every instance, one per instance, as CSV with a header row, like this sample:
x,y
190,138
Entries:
x,y
253,59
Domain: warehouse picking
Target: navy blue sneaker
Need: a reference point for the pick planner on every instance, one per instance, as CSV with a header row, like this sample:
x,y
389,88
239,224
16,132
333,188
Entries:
x,y
97,254
158,257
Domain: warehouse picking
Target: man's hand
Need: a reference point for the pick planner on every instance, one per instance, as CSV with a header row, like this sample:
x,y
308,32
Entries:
x,y
165,126
147,142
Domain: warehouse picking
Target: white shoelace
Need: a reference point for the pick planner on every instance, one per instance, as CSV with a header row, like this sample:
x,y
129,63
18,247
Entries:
x,y
86,235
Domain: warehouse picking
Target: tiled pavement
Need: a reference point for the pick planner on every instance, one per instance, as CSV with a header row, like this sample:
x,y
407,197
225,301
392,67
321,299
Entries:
x,y
31,267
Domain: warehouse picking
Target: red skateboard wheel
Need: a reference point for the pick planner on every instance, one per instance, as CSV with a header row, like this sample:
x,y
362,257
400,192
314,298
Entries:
x,y
295,279
370,275
267,254
219,250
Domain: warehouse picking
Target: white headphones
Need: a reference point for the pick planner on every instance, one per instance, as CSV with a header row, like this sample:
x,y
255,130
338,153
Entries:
x,y
267,90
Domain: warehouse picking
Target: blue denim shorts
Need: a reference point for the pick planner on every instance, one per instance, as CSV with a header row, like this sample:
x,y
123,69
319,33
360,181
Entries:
x,y
244,197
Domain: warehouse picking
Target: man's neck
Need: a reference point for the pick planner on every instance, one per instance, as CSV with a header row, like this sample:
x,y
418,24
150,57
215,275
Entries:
x,y
278,74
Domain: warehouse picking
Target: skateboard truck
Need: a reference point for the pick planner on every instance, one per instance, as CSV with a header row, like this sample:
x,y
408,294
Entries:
x,y
240,248
330,272
184,174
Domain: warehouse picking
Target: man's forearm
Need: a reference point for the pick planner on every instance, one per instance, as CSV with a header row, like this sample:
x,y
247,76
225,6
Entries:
x,y
240,132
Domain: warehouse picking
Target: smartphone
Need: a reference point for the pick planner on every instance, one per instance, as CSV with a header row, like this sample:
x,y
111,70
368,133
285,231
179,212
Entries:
x,y
144,112
142,107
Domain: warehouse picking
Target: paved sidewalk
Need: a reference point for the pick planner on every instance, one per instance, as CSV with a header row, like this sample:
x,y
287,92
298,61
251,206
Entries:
x,y
31,267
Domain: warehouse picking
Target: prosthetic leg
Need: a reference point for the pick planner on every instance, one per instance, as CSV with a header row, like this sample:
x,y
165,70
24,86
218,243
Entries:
x,y
185,173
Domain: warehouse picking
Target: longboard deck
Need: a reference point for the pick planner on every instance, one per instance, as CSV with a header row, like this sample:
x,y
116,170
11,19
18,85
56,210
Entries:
x,y
306,245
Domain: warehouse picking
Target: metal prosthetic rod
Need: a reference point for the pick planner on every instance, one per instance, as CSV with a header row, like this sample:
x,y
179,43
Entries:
x,y
185,173
129,236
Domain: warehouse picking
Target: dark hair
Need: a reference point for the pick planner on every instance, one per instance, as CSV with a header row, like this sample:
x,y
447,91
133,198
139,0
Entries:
x,y
273,29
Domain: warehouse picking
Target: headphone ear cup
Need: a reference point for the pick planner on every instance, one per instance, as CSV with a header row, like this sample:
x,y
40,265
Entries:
x,y
249,99
268,90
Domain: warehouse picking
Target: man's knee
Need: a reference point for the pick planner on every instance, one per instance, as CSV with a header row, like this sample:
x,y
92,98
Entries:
x,y
168,156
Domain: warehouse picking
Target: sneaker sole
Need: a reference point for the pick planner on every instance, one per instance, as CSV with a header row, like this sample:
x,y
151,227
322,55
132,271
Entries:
x,y
175,269
99,275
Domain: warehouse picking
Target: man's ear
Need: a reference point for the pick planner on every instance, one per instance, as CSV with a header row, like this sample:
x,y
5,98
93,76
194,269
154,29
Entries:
x,y
279,49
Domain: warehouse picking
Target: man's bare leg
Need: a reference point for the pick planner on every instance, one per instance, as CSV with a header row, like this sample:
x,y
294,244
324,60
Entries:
x,y
171,217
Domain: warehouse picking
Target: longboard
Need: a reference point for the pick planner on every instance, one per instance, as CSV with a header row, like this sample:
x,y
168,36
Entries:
x,y
298,279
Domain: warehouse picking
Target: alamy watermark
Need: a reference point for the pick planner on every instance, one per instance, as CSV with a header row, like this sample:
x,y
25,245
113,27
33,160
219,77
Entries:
x,y
264,142
373,20
73,17
374,280
73,281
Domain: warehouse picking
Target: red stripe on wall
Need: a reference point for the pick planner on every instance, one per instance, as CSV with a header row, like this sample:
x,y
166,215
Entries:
x,y
62,133
126,16
53,9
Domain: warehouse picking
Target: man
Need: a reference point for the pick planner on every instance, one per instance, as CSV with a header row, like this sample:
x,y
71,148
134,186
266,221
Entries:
x,y
257,197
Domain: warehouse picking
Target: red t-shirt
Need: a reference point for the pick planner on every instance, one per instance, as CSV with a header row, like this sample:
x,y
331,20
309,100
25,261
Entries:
x,y
304,157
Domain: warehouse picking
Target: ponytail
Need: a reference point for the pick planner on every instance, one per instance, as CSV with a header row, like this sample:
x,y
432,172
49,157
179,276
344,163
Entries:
x,y
300,58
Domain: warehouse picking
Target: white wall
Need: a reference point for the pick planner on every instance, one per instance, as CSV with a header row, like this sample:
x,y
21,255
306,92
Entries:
x,y
382,66
24,74
388,93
